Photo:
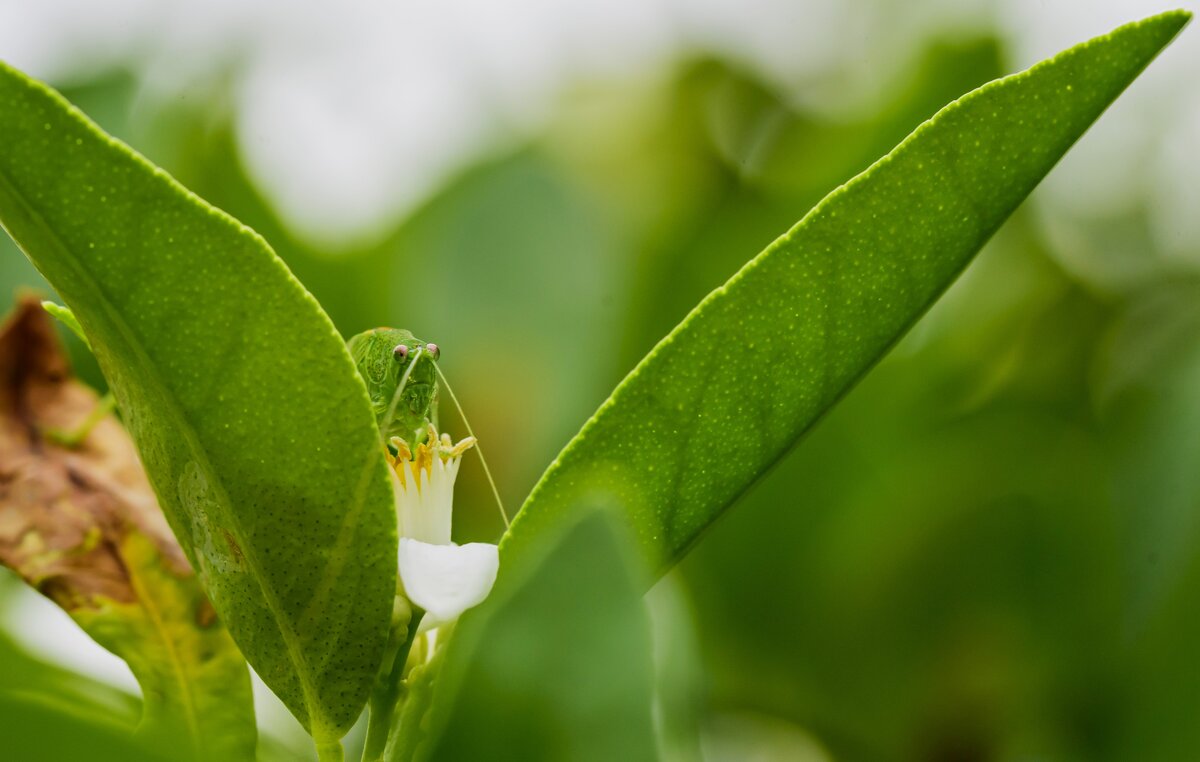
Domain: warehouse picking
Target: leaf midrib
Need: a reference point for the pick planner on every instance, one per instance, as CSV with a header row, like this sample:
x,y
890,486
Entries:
x,y
175,659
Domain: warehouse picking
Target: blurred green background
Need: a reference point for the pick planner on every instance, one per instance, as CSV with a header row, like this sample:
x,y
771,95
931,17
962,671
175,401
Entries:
x,y
989,551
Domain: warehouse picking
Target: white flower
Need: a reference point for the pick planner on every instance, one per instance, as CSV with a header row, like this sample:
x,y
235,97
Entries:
x,y
438,576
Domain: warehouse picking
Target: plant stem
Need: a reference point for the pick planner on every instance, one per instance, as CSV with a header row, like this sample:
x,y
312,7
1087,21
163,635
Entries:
x,y
330,752
387,694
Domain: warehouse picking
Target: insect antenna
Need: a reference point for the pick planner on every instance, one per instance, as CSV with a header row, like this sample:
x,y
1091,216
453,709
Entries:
x,y
391,411
482,460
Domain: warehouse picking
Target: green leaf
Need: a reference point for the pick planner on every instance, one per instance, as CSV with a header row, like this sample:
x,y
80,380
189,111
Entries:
x,y
246,409
35,731
761,359
61,689
556,664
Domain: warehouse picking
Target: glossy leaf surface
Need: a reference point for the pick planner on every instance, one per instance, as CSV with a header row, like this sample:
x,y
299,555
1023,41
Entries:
x,y
248,415
762,358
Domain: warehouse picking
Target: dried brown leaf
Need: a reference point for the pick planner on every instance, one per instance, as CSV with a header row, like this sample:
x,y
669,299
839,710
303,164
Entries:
x,y
64,511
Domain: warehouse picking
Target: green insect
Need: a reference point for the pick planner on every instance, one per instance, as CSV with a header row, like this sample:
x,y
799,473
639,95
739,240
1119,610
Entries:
x,y
401,375
402,378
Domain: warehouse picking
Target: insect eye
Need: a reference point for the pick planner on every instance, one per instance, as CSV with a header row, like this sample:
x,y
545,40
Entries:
x,y
434,350
400,352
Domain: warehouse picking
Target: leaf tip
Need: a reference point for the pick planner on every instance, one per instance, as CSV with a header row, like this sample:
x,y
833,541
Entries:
x,y
1173,21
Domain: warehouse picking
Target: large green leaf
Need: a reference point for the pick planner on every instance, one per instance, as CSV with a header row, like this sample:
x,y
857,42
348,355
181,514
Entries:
x,y
555,665
243,401
758,362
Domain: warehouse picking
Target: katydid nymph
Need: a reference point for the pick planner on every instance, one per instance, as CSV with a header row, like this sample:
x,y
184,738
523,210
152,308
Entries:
x,y
401,375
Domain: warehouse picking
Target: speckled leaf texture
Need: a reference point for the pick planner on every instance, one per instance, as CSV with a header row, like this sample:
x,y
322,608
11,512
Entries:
x,y
251,422
756,364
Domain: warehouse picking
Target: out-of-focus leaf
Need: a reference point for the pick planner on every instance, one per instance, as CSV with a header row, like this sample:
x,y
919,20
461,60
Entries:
x,y
252,424
35,732
1146,374
730,390
28,678
555,665
82,526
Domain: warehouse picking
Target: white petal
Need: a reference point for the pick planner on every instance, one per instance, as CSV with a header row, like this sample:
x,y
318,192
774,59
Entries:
x,y
446,580
424,502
